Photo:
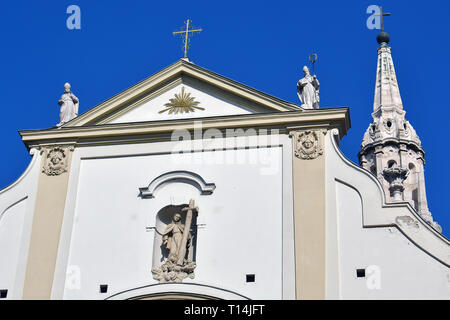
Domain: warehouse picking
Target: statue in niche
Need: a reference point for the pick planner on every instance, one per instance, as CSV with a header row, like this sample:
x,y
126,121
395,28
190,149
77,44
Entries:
x,y
69,106
308,90
173,235
177,239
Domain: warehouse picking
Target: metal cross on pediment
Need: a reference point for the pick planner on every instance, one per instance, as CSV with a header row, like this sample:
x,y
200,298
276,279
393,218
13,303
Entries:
x,y
186,34
382,15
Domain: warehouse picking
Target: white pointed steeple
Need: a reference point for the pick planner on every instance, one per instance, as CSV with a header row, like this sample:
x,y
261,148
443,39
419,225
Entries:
x,y
387,93
391,149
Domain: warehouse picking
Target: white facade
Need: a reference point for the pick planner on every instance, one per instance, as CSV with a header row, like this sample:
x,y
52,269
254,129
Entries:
x,y
109,229
123,171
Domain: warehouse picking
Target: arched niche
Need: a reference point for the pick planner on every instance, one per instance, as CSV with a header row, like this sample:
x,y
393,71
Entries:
x,y
184,291
163,220
174,255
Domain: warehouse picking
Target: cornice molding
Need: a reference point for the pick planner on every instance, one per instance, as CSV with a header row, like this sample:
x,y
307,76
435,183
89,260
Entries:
x,y
391,140
321,118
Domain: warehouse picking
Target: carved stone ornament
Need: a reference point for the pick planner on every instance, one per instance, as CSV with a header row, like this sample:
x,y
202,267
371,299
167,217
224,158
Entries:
x,y
181,103
388,125
307,144
396,176
171,272
407,222
55,161
177,239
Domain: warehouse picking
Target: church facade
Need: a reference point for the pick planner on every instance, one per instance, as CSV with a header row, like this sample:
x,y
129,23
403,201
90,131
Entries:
x,y
191,185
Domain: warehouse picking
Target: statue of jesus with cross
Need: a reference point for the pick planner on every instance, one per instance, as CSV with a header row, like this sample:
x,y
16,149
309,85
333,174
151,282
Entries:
x,y
177,239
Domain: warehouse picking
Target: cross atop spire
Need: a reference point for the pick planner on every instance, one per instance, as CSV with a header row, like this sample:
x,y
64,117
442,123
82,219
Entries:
x,y
186,34
382,15
383,37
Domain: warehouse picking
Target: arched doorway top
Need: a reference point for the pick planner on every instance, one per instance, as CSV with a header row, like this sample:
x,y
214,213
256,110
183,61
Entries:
x,y
187,291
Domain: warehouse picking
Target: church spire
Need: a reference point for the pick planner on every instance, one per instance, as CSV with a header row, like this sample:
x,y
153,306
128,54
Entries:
x,y
387,93
391,149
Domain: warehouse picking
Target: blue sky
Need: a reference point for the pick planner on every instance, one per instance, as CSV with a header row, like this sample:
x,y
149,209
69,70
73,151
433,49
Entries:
x,y
261,44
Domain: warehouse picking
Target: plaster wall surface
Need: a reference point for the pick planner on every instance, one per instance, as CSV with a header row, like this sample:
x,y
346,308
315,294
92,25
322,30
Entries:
x,y
243,226
16,216
395,267
403,257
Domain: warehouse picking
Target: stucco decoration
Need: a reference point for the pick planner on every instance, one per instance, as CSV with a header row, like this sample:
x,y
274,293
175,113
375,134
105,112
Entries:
x,y
407,221
182,103
55,161
307,144
177,238
179,176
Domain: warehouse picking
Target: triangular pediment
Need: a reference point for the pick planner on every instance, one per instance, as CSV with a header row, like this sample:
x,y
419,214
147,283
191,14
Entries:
x,y
181,91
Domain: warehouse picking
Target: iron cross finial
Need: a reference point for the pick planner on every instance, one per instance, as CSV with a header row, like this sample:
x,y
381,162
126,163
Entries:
x,y
382,15
186,34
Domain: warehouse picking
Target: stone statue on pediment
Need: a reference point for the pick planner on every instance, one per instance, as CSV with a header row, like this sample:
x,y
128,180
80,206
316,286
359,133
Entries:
x,y
308,90
69,106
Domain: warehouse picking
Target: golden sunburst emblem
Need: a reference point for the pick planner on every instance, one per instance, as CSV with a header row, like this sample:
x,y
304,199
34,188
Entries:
x,y
182,103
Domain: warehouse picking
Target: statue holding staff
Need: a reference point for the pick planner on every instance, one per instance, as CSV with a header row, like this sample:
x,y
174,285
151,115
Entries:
x,y
308,90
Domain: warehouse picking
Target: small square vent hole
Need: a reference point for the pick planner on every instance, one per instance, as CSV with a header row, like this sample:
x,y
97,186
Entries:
x,y
360,273
3,293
